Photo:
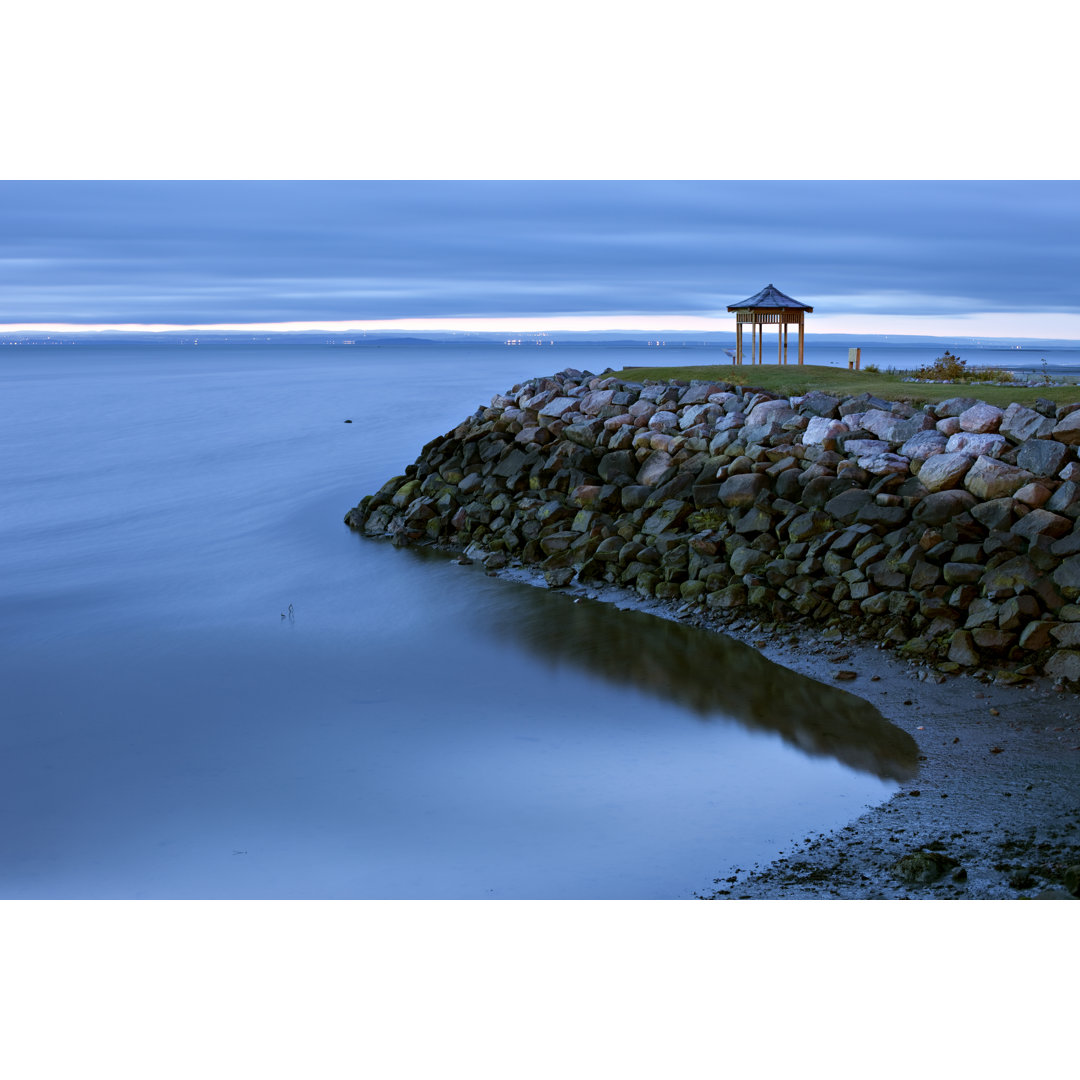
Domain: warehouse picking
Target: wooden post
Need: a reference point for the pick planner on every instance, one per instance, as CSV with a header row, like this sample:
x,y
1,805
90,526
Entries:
x,y
785,340
779,346
801,337
738,340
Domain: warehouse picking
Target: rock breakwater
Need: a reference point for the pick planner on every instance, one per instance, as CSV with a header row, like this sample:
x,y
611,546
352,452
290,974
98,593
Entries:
x,y
949,531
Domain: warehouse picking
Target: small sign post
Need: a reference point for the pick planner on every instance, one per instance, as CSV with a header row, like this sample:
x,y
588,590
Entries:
x,y
853,358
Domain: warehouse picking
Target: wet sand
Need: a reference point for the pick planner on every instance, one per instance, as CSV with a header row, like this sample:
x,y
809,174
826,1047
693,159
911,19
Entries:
x,y
993,811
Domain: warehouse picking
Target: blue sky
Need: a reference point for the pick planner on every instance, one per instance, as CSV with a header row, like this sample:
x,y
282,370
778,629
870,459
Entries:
x,y
995,257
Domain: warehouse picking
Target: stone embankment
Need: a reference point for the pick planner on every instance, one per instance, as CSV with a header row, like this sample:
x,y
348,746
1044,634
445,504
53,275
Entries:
x,y
950,531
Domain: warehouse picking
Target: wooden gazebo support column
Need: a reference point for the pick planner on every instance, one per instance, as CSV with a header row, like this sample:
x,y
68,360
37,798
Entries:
x,y
770,307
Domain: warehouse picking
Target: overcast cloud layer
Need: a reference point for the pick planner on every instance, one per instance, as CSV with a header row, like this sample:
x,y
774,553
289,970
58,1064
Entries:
x,y
260,251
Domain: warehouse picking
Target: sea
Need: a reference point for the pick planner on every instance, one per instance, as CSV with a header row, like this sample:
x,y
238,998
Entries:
x,y
213,689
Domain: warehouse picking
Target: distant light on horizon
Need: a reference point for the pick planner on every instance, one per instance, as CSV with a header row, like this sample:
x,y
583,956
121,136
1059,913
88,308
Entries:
x,y
1026,324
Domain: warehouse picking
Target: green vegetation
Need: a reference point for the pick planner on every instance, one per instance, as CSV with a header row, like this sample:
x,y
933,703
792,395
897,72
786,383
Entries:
x,y
788,379
949,368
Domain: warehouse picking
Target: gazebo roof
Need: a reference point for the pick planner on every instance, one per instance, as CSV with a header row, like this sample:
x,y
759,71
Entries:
x,y
770,297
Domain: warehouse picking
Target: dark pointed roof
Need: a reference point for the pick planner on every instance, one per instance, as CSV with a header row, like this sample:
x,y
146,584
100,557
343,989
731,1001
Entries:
x,y
770,297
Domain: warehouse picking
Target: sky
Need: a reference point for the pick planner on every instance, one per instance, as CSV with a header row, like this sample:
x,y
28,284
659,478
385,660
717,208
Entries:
x,y
976,258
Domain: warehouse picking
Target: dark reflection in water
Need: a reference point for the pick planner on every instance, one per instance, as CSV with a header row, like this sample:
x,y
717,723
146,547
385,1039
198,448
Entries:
x,y
708,673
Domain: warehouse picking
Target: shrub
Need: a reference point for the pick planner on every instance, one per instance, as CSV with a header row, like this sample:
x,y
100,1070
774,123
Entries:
x,y
947,368
872,369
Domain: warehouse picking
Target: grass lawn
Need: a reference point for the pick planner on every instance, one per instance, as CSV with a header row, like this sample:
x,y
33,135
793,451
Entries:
x,y
791,379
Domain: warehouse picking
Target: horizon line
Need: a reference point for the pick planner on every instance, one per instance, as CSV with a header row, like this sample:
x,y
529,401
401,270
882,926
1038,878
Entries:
x,y
1005,325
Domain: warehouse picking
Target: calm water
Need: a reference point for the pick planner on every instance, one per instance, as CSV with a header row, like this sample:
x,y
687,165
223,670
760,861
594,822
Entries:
x,y
213,689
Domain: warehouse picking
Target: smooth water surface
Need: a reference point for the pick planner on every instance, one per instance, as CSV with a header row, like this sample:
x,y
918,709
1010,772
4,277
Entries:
x,y
213,689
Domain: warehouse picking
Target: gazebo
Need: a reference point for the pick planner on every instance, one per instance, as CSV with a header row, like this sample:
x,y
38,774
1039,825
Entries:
x,y
768,306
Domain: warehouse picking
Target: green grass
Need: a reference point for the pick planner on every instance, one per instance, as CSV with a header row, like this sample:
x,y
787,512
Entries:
x,y
791,379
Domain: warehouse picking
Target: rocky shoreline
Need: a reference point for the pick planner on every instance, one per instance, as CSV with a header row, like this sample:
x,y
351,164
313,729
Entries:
x,y
933,550
950,531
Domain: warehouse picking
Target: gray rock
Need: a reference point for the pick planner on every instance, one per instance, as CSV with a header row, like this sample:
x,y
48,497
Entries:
x,y
777,410
1066,500
942,506
1067,575
633,496
807,525
996,514
585,433
866,447
1067,635
944,471
592,402
821,428
1043,457
1019,424
1018,573
954,406
889,516
1067,545
962,573
974,443
756,434
1036,635
1068,430
742,489
1064,664
616,463
846,506
980,418
556,407
992,479
663,420
669,515
744,559
883,464
990,639
1034,495
818,404
924,445
1042,523
657,468
962,649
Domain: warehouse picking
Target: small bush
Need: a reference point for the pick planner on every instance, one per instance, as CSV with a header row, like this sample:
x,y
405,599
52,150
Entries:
x,y
947,368
872,369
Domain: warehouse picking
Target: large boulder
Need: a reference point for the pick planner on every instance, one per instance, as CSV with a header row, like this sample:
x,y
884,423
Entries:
x,y
1042,523
556,407
818,404
1043,457
989,478
866,447
975,443
944,471
657,468
742,489
846,506
821,428
1019,423
954,406
778,410
1068,430
924,445
980,418
942,506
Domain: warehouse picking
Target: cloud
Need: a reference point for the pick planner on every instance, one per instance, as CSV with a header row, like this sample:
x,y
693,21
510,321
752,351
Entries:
x,y
268,250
